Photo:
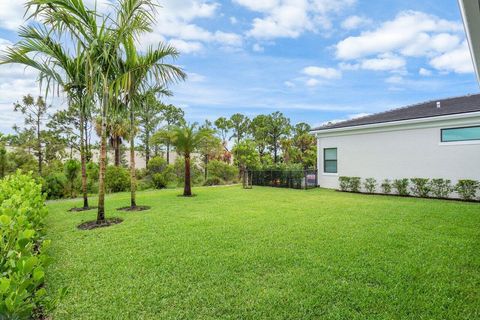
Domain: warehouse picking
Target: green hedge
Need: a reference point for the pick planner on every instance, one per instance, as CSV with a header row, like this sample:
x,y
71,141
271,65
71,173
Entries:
x,y
419,187
23,259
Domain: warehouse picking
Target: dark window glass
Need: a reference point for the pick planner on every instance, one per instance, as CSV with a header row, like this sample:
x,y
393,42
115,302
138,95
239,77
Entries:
x,y
461,134
330,160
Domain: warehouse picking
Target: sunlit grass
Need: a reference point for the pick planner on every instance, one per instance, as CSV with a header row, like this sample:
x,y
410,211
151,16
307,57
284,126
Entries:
x,y
268,253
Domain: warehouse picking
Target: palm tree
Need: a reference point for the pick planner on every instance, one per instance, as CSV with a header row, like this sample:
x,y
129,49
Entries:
x,y
56,67
137,71
187,139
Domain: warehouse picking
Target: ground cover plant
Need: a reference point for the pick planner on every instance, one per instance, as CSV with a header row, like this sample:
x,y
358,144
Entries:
x,y
268,253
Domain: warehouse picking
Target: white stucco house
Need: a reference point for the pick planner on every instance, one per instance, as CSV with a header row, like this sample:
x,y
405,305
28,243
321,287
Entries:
x,y
435,139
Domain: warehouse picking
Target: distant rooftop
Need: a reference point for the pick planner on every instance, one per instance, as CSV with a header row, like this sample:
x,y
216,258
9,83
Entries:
x,y
434,108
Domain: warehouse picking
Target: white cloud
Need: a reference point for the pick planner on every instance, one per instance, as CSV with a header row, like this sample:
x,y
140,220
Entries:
x,y
411,33
289,84
325,73
457,60
424,72
312,82
355,22
394,80
186,46
11,14
233,20
257,48
383,62
195,77
176,20
291,18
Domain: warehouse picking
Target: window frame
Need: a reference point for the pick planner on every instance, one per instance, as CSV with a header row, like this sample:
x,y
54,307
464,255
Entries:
x,y
325,161
454,141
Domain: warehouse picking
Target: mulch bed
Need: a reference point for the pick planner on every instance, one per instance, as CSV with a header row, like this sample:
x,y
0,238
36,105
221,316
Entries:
x,y
136,208
82,209
89,225
190,196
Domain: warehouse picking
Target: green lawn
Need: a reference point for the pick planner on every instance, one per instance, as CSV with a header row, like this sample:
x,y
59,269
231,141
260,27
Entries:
x,y
269,253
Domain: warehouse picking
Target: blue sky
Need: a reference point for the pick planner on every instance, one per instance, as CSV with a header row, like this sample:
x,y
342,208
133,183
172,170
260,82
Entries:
x,y
313,60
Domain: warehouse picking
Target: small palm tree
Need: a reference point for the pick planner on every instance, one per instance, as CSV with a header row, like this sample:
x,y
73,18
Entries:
x,y
187,139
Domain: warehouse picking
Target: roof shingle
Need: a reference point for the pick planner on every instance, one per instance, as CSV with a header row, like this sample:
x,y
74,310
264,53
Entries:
x,y
456,105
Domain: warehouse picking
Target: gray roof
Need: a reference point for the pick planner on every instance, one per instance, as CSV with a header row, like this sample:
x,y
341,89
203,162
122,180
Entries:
x,y
456,105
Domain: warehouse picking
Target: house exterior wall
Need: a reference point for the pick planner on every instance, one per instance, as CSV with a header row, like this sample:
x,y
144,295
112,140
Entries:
x,y
405,150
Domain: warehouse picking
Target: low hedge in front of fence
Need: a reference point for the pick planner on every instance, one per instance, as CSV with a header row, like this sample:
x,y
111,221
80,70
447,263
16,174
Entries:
x,y
417,187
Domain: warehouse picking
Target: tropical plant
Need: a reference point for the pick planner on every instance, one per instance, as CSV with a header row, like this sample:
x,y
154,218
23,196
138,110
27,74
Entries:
x,y
467,189
370,184
344,183
355,184
222,170
22,246
246,158
401,186
386,186
441,188
420,187
187,139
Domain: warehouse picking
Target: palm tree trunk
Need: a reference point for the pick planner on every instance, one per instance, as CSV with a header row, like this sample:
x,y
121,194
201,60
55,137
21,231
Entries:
x,y
147,148
116,147
187,190
82,161
103,162
133,178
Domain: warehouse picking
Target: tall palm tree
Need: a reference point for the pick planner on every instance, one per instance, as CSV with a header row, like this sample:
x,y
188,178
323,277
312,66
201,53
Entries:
x,y
138,72
55,66
187,139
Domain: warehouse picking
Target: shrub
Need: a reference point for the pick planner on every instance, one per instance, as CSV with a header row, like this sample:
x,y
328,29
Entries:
x,y
467,189
222,170
92,177
54,185
421,187
213,181
159,181
386,186
401,186
370,185
141,173
355,184
441,188
72,169
117,179
344,183
196,174
22,211
156,165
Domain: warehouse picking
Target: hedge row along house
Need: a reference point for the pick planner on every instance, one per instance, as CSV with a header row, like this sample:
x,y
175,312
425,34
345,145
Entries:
x,y
434,139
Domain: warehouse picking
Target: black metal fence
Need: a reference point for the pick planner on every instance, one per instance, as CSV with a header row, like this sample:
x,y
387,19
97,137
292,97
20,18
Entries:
x,y
295,179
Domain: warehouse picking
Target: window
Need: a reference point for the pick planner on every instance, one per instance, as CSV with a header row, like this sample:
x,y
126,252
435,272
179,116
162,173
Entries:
x,y
330,160
460,134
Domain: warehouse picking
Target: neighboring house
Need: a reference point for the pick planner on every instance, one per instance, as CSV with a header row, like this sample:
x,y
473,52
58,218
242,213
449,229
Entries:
x,y
435,139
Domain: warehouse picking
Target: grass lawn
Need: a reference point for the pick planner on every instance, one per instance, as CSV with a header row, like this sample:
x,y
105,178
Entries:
x,y
269,253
